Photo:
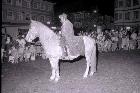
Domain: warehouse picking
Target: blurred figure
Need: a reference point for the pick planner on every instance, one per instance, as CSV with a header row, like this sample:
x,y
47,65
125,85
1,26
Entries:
x,y
21,42
13,55
138,40
32,51
27,54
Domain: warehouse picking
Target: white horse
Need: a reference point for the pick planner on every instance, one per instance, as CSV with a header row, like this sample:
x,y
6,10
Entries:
x,y
51,44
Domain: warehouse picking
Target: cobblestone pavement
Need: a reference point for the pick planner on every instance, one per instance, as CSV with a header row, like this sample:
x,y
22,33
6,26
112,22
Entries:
x,y
118,72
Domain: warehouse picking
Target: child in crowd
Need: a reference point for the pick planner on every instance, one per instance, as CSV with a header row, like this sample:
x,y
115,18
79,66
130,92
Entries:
x,y
27,54
38,50
33,52
13,55
43,53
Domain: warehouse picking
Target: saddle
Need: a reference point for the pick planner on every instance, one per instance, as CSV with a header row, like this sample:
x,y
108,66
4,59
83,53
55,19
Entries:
x,y
72,46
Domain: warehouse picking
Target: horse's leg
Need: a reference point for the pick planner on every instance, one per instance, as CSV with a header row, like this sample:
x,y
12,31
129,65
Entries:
x,y
57,77
90,54
87,55
87,66
55,69
93,61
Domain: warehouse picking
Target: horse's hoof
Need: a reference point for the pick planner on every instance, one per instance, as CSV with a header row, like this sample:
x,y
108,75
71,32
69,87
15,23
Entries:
x,y
52,78
56,80
85,76
91,73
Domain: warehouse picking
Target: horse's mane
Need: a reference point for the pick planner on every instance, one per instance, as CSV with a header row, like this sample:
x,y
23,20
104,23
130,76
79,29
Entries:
x,y
43,27
45,32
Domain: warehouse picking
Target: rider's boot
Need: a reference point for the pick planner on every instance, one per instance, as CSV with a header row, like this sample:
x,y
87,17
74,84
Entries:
x,y
65,54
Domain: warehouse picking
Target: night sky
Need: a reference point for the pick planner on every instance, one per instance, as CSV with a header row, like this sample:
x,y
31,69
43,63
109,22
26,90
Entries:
x,y
67,6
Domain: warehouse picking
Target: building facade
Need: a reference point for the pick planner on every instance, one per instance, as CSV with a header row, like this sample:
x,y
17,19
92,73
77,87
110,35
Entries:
x,y
127,13
88,21
17,13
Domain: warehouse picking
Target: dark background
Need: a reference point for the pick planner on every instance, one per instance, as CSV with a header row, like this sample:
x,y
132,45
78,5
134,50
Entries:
x,y
105,7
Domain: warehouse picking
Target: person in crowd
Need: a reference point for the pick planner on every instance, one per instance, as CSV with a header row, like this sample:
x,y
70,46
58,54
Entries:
x,y
133,38
21,42
13,55
138,40
32,51
3,47
8,45
114,39
100,41
27,54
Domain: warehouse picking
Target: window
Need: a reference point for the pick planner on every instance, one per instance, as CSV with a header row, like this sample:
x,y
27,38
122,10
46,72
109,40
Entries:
x,y
136,14
128,3
120,3
135,2
19,2
10,15
49,7
116,16
120,15
35,5
48,18
9,1
34,17
116,3
20,16
28,5
42,18
77,24
127,16
28,16
42,7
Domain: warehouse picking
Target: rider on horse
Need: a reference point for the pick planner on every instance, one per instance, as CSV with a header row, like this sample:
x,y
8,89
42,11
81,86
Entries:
x,y
66,32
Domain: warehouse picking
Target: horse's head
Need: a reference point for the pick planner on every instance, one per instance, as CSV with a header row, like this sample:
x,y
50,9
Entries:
x,y
33,32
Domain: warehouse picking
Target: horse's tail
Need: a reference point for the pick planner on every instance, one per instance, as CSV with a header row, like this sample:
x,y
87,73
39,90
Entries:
x,y
90,52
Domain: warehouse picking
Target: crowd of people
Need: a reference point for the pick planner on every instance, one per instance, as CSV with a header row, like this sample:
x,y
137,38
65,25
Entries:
x,y
109,40
113,40
19,50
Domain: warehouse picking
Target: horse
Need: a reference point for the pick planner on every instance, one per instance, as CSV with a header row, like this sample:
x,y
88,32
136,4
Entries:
x,y
51,43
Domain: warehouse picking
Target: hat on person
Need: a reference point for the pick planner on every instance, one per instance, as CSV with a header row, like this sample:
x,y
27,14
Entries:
x,y
63,15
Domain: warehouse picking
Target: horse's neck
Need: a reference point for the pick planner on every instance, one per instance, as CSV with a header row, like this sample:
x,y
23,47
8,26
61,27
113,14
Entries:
x,y
48,36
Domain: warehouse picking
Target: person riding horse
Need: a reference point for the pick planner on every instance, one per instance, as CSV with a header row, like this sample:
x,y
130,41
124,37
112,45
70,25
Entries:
x,y
67,32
